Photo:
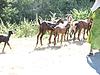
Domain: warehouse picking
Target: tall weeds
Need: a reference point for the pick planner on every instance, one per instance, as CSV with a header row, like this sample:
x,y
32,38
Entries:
x,y
24,29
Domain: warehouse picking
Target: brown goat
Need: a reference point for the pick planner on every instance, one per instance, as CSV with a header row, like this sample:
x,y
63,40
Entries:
x,y
63,31
83,25
45,26
5,39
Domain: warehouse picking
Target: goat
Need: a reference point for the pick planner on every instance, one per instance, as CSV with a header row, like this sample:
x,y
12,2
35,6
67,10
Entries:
x,y
46,26
5,39
62,29
83,24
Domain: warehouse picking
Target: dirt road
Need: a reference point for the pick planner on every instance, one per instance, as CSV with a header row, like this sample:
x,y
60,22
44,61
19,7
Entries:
x,y
69,59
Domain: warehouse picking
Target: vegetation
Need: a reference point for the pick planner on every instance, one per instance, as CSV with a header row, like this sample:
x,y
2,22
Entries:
x,y
21,15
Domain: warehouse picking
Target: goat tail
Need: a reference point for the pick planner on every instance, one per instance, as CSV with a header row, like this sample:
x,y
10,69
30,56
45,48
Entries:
x,y
39,22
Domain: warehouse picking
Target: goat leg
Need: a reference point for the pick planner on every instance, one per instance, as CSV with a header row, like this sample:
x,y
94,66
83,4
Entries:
x,y
8,45
75,34
87,31
79,34
58,38
41,38
84,35
38,38
71,33
50,37
61,38
55,35
67,34
3,47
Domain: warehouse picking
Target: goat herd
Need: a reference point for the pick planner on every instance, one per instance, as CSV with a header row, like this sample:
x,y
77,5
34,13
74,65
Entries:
x,y
57,27
63,27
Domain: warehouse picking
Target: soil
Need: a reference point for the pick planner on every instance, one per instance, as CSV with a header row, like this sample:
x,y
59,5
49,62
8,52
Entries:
x,y
70,58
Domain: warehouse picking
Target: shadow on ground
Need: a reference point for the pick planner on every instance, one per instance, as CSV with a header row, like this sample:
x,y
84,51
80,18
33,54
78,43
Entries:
x,y
94,61
47,47
2,53
42,48
81,42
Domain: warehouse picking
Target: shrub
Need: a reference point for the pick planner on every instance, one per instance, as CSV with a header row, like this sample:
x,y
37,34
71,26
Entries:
x,y
26,29
80,14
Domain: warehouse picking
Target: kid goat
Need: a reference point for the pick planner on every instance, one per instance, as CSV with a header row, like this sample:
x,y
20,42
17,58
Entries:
x,y
5,39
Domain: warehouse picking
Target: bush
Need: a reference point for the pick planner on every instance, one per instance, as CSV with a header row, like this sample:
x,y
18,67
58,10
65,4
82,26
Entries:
x,y
80,14
26,29
5,28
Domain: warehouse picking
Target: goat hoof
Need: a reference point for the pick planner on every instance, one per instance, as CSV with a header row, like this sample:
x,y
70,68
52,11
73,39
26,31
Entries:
x,y
54,44
65,39
84,38
70,36
49,42
3,52
74,39
79,39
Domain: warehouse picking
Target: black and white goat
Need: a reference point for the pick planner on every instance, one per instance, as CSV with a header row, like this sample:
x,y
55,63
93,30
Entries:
x,y
5,39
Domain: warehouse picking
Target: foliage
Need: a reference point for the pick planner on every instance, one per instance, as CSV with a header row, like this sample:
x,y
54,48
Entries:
x,y
24,29
80,14
22,15
15,11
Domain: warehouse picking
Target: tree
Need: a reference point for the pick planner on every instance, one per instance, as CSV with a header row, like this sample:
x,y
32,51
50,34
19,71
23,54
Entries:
x,y
3,4
16,10
7,11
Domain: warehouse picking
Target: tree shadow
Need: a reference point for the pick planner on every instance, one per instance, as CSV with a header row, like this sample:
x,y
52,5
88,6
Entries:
x,y
94,61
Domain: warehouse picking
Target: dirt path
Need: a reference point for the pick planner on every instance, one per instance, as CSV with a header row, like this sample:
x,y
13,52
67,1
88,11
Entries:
x,y
69,59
